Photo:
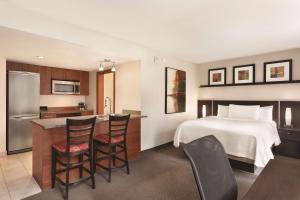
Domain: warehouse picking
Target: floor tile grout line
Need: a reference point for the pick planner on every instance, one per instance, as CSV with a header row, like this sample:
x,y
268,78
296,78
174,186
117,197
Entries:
x,y
5,182
20,160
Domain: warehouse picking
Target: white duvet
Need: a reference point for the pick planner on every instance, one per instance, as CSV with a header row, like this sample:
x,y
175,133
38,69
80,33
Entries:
x,y
242,138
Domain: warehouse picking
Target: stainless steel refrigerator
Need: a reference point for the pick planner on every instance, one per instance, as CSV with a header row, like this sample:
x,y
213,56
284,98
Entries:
x,y
23,107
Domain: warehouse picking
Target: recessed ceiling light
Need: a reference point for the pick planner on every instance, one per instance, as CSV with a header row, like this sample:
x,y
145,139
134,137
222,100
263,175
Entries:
x,y
40,57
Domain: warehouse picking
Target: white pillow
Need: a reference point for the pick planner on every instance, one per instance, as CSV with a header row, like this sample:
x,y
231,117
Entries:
x,y
222,111
266,113
243,112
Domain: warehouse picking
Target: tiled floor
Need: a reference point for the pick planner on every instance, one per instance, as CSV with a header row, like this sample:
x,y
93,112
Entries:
x,y
16,181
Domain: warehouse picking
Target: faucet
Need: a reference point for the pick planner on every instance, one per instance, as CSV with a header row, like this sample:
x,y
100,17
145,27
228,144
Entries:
x,y
108,104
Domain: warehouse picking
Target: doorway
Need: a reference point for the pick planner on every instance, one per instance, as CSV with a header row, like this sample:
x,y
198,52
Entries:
x,y
105,92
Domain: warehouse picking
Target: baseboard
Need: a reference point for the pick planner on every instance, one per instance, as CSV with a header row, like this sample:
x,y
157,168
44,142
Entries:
x,y
159,146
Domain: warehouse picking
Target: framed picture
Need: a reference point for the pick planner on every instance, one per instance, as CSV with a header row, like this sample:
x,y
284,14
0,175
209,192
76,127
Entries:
x,y
175,87
244,74
217,76
278,71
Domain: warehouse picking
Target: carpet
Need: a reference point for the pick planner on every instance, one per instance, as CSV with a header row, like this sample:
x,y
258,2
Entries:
x,y
160,174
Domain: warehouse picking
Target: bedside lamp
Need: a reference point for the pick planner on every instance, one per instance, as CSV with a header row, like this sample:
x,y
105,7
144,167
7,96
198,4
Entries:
x,y
288,117
204,111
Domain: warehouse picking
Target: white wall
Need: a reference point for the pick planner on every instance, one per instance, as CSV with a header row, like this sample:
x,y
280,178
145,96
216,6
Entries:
x,y
60,100
128,86
142,87
256,92
2,106
159,128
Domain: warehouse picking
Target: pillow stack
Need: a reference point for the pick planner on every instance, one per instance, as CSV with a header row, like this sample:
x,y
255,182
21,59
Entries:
x,y
251,112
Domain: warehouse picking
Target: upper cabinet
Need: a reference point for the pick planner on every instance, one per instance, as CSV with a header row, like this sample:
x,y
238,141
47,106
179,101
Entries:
x,y
45,80
84,83
58,73
49,73
73,75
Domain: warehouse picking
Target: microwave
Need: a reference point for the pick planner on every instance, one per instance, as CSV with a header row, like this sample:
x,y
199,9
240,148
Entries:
x,y
65,87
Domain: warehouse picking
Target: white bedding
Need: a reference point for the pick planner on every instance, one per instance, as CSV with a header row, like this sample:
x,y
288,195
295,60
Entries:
x,y
243,138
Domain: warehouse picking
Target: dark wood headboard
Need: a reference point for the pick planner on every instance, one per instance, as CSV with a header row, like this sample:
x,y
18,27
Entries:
x,y
295,106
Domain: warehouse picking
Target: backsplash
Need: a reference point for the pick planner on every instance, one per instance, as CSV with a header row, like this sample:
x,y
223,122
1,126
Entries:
x,y
61,100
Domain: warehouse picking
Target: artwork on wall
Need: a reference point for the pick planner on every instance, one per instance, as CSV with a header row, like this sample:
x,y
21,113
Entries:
x,y
217,76
244,74
278,71
175,86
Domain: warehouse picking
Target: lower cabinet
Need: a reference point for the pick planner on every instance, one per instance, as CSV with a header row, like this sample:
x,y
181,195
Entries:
x,y
48,115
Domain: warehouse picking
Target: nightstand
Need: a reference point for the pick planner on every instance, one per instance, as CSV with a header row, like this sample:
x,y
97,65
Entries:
x,y
290,142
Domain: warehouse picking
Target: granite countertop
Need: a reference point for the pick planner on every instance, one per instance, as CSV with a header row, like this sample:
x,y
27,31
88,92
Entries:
x,y
61,122
67,111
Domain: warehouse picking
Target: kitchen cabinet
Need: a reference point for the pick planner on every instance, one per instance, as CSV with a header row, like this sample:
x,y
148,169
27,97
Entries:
x,y
84,83
49,73
45,80
15,66
73,75
58,73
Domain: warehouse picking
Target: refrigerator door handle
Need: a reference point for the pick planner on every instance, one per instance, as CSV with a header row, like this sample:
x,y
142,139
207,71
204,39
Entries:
x,y
22,117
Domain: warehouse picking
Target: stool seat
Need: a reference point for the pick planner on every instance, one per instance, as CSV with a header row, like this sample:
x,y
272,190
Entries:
x,y
104,138
62,147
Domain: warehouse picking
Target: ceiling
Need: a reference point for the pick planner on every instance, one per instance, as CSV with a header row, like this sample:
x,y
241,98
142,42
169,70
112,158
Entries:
x,y
26,47
193,30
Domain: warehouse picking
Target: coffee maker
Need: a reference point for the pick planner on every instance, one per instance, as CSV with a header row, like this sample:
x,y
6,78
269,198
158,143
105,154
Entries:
x,y
82,106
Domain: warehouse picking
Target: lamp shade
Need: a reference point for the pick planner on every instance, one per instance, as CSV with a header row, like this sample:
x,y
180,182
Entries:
x,y
288,116
204,111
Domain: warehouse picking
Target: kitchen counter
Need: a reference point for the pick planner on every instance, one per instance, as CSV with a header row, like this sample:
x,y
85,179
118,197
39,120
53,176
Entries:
x,y
61,122
65,112
46,132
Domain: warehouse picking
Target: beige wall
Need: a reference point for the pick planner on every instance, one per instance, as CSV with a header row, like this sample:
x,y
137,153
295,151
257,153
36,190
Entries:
x,y
159,128
60,100
91,99
109,90
257,92
128,86
2,106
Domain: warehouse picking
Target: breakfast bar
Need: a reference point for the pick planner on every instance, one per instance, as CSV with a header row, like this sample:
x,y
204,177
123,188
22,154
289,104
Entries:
x,y
46,132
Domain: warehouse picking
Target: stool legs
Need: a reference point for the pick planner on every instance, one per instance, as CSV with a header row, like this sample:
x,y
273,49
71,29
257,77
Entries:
x,y
111,157
126,158
53,168
81,166
92,169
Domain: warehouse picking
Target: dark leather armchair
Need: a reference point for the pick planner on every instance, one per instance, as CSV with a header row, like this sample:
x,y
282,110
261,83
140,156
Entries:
x,y
214,176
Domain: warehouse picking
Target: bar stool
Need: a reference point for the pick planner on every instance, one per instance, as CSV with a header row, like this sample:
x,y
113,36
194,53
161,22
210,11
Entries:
x,y
111,145
78,145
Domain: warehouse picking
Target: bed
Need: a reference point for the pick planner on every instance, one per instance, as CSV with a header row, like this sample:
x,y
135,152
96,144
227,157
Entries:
x,y
246,139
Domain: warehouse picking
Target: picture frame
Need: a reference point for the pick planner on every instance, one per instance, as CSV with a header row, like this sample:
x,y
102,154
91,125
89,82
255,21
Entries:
x,y
278,71
243,74
175,90
217,76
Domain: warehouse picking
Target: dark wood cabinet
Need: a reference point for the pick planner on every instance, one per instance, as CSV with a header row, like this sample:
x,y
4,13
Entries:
x,y
49,73
84,83
15,66
58,73
73,75
45,80
290,142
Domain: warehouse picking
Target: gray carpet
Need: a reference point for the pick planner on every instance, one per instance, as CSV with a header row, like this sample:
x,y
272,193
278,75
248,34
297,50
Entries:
x,y
160,174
